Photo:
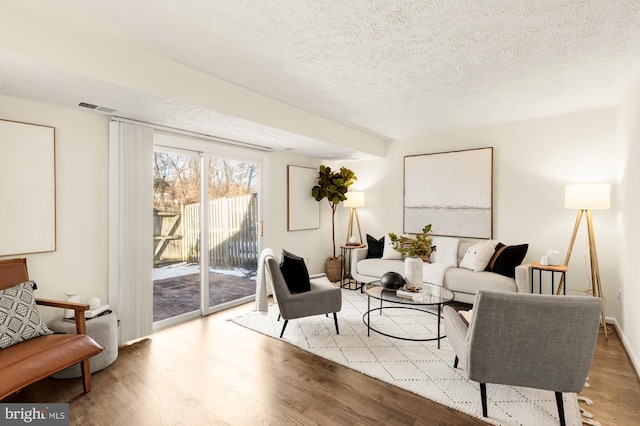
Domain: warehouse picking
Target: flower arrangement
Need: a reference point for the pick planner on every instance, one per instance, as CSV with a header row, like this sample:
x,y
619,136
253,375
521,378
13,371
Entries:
x,y
421,246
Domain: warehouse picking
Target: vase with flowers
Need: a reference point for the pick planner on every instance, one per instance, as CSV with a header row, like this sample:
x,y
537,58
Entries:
x,y
416,251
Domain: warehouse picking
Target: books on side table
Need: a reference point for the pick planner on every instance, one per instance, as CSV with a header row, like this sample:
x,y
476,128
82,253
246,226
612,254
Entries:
x,y
93,313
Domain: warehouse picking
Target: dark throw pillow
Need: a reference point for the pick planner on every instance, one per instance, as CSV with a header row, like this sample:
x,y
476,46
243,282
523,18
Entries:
x,y
506,258
375,248
294,272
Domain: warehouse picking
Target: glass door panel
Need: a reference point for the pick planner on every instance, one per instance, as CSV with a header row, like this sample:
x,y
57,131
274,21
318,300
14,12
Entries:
x,y
176,236
233,232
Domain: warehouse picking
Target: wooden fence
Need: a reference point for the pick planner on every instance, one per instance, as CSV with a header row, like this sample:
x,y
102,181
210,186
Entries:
x,y
233,238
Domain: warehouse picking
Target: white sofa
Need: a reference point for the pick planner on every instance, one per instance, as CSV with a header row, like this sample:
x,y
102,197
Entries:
x,y
464,283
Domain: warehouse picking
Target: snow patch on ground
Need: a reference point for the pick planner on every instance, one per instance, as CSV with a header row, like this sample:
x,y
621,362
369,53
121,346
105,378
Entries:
x,y
183,268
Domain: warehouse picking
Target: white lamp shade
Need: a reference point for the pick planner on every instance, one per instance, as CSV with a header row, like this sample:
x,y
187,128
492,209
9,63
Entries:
x,y
354,199
587,196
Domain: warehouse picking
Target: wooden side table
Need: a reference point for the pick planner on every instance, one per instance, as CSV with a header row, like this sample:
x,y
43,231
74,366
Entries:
x,y
346,279
562,269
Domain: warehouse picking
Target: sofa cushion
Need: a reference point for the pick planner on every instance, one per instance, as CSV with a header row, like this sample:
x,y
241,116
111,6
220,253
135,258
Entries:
x,y
463,246
389,253
478,256
466,281
506,258
446,250
295,272
28,362
19,316
375,248
377,267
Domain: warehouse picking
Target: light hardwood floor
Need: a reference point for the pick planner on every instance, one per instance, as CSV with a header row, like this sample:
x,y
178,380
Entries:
x,y
212,372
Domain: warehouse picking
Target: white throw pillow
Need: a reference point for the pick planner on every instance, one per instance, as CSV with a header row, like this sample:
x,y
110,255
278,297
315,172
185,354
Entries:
x,y
446,250
478,256
389,253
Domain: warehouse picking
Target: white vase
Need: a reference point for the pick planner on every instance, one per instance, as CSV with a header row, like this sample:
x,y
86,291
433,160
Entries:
x,y
553,257
71,297
413,271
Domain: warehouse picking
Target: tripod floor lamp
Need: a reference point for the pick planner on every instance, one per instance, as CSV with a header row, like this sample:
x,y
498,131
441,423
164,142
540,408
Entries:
x,y
354,200
584,198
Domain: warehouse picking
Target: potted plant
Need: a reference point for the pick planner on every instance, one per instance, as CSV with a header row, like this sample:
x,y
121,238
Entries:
x,y
421,246
416,251
333,186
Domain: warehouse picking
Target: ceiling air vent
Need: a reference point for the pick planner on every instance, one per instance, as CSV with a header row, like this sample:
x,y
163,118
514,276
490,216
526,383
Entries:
x,y
86,105
97,107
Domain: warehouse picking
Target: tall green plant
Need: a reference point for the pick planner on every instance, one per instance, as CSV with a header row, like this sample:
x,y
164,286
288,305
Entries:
x,y
333,186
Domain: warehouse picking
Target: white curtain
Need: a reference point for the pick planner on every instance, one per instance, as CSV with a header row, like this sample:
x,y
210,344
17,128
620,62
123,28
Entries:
x,y
131,228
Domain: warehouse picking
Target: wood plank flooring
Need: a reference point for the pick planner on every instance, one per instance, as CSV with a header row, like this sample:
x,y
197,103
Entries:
x,y
212,372
614,384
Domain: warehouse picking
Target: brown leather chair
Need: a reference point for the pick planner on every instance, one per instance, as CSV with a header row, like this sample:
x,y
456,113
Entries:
x,y
32,360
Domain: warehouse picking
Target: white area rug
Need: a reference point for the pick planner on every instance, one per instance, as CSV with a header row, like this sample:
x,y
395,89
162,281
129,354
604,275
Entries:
x,y
418,367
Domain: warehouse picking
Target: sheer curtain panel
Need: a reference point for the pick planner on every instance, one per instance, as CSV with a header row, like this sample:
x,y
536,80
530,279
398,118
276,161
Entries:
x,y
131,228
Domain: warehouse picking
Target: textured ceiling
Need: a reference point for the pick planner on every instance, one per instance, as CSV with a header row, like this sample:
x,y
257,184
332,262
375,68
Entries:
x,y
394,69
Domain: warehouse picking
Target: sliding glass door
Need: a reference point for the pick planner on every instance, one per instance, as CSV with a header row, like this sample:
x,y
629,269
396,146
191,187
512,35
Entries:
x,y
192,278
176,234
232,230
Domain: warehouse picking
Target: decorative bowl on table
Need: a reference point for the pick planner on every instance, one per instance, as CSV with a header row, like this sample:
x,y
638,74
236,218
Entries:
x,y
392,280
412,288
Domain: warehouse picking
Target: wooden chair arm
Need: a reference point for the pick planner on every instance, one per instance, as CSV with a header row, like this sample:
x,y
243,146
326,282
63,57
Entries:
x,y
64,305
79,308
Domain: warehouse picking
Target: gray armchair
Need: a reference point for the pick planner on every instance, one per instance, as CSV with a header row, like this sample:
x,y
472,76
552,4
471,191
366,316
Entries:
x,y
323,298
529,340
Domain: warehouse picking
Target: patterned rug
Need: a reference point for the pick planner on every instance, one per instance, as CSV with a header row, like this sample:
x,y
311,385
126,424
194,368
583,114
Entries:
x,y
419,367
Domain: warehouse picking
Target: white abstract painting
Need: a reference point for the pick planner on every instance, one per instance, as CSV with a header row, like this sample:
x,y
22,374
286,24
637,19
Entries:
x,y
27,188
452,191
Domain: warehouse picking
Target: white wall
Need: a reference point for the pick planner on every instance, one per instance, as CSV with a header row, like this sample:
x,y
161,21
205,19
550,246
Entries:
x,y
80,261
533,160
312,244
629,211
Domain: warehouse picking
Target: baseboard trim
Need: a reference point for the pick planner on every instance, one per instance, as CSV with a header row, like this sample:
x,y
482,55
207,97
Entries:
x,y
625,343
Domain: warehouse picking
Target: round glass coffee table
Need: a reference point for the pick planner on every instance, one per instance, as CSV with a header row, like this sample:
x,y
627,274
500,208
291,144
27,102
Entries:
x,y
430,295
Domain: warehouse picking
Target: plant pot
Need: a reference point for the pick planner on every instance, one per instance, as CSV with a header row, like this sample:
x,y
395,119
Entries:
x,y
332,268
413,271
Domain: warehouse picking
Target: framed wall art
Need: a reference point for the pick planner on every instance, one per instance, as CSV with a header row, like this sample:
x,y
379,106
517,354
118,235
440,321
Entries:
x,y
303,211
452,191
27,188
